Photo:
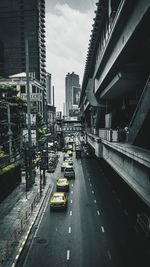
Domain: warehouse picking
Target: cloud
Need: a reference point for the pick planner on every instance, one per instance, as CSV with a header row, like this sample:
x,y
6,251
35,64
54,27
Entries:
x,y
67,32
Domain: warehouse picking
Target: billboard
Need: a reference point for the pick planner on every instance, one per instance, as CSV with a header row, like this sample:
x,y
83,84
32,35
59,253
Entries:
x,y
75,95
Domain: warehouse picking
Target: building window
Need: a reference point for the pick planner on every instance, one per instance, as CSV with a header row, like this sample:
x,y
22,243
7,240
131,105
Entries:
x,y
22,89
33,89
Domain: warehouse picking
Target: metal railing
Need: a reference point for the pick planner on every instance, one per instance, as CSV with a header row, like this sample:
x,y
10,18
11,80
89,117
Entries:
x,y
111,135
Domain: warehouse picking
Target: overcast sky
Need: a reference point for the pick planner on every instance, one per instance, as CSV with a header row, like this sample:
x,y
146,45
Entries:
x,y
68,27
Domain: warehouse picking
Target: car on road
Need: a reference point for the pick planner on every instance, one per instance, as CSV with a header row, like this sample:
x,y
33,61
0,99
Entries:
x,y
70,153
64,165
62,184
59,200
69,172
51,166
143,221
66,156
69,161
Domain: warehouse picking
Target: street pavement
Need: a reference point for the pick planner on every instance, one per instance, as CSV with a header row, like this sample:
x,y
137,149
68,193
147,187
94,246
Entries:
x,y
18,213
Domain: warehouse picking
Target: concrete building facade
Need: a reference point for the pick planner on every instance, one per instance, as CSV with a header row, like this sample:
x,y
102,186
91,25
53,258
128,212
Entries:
x,y
49,88
21,20
71,82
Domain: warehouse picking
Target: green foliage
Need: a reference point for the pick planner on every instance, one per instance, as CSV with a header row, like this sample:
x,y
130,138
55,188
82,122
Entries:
x,y
8,168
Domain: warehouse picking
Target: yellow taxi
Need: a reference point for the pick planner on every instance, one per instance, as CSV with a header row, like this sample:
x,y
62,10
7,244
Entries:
x,y
59,200
62,184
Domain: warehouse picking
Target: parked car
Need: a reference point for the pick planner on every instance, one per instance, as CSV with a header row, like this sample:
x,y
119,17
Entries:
x,y
143,221
69,172
51,166
62,184
59,200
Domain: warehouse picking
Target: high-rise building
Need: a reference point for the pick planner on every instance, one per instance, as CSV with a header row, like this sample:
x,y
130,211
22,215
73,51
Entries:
x,y
48,88
21,20
72,89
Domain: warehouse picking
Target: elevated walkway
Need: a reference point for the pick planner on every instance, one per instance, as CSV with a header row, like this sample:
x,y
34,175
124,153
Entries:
x,y
132,163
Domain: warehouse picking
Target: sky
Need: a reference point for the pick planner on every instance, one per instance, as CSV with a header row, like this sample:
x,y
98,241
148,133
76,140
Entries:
x,y
68,29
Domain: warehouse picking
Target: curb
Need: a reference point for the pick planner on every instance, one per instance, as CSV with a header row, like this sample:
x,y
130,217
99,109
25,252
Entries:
x,y
26,234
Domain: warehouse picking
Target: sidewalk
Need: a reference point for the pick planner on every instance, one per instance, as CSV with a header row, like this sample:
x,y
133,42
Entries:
x,y
17,215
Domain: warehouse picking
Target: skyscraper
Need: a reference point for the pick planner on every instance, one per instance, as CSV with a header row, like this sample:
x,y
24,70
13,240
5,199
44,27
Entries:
x,y
48,88
20,20
71,82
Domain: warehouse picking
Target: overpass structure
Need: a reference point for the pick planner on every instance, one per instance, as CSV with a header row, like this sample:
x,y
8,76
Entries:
x,y
115,95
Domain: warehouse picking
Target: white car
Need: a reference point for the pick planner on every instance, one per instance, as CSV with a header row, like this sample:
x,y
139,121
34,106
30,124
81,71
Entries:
x,y
64,165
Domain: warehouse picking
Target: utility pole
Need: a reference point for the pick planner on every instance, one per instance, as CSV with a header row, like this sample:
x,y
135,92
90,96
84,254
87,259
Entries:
x,y
9,131
28,113
53,111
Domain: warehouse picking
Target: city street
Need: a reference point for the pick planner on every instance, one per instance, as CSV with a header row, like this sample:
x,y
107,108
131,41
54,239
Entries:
x,y
97,229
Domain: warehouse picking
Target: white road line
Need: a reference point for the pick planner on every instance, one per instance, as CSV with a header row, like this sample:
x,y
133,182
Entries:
x,y
71,201
94,200
71,192
109,255
102,229
90,184
71,213
98,212
92,191
72,185
68,255
69,230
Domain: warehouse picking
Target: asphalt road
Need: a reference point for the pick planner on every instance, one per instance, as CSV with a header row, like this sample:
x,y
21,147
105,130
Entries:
x,y
97,230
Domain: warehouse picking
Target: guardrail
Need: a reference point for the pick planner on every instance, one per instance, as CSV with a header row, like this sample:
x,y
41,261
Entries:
x,y
116,135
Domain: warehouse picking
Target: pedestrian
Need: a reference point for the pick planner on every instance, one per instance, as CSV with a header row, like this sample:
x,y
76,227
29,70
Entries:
x,y
126,129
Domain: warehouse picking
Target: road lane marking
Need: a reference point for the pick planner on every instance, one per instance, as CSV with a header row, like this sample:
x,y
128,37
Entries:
x,y
68,255
71,192
92,191
98,212
69,230
102,229
94,200
109,255
72,185
90,184
71,213
71,201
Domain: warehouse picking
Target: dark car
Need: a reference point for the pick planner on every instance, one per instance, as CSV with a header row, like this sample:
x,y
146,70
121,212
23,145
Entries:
x,y
69,172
